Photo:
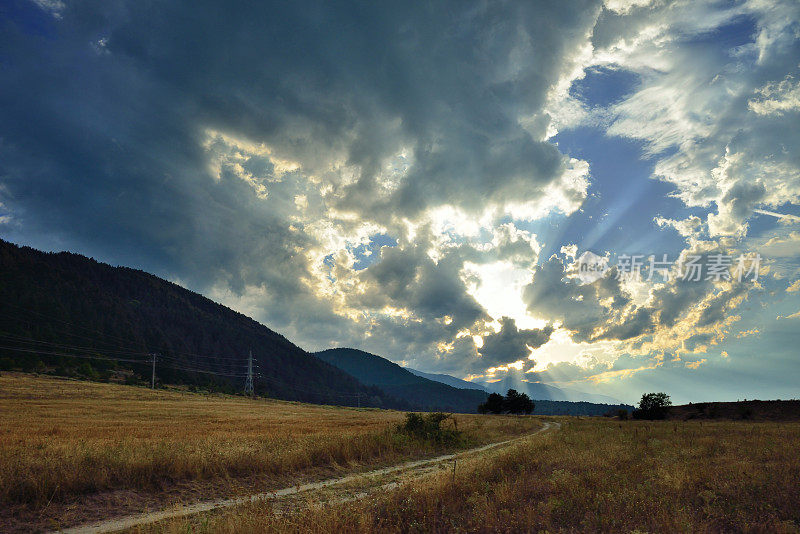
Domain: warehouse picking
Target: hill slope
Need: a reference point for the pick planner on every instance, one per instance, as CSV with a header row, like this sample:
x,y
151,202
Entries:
x,y
401,383
70,314
753,410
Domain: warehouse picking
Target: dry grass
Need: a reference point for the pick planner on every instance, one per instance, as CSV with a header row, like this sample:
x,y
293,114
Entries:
x,y
595,475
62,439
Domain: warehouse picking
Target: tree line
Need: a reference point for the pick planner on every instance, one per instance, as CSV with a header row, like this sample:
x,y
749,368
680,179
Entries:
x,y
514,402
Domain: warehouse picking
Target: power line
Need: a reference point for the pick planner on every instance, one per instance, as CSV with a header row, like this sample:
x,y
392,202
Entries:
x,y
31,341
65,332
124,360
170,361
282,385
180,363
209,358
68,323
209,361
88,357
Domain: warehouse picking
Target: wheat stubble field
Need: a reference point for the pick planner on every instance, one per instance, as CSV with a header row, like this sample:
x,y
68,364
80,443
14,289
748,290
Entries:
x,y
73,451
594,475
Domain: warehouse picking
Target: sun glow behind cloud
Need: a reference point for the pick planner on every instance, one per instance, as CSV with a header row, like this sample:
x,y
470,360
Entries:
x,y
498,288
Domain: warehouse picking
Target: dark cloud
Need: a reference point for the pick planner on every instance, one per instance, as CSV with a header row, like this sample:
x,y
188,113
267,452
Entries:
x,y
238,148
634,324
510,343
409,279
106,113
719,306
556,297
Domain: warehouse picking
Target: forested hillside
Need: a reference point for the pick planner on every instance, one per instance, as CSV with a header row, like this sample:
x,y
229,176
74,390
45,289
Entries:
x,y
67,314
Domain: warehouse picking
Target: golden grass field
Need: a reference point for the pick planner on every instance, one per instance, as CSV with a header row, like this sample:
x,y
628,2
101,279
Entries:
x,y
72,451
595,475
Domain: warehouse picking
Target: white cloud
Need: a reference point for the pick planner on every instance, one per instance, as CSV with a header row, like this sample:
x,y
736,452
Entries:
x,y
777,98
53,7
715,116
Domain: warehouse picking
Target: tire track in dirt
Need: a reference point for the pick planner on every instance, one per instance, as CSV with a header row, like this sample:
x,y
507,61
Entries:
x,y
126,522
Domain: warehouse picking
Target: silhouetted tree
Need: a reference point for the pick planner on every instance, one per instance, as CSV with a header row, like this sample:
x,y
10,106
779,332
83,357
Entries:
x,y
494,404
653,406
516,402
513,402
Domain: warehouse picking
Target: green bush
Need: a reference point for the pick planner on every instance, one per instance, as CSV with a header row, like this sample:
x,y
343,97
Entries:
x,y
86,370
437,426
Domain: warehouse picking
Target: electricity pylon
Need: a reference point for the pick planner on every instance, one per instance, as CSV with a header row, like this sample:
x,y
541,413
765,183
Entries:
x,y
248,385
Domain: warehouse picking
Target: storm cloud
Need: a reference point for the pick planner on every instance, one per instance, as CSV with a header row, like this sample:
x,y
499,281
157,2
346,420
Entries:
x,y
387,176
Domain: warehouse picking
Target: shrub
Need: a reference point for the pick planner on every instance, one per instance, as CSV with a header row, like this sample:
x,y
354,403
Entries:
x,y
428,427
744,411
86,370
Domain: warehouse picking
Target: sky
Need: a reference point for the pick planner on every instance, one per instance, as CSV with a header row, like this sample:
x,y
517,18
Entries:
x,y
423,180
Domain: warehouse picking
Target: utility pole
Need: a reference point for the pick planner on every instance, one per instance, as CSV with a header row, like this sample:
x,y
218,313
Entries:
x,y
153,378
248,385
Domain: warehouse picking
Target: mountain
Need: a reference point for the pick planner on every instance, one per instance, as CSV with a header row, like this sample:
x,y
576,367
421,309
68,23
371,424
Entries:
x,y
535,390
71,315
540,391
575,395
449,380
398,382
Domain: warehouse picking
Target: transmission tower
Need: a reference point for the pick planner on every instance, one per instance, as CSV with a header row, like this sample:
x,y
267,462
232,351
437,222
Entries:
x,y
153,379
248,385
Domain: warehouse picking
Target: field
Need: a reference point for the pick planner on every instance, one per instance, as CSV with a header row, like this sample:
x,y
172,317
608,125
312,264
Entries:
x,y
592,476
72,452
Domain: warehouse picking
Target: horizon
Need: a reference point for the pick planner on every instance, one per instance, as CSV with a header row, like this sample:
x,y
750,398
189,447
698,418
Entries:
x,y
602,197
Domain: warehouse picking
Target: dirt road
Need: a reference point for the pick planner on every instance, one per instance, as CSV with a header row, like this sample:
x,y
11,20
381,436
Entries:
x,y
373,478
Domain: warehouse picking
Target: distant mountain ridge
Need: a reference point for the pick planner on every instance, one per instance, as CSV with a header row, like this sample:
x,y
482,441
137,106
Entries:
x,y
534,390
399,382
540,391
449,380
407,385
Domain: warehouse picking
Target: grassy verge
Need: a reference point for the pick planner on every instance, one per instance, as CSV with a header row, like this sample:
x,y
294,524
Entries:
x,y
594,475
